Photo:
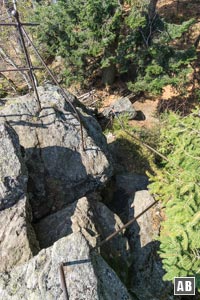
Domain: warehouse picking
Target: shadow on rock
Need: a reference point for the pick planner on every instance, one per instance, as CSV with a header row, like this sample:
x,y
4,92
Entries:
x,y
60,169
130,197
57,177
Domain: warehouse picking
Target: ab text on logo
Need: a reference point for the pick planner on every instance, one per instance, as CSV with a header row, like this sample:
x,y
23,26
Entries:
x,y
184,286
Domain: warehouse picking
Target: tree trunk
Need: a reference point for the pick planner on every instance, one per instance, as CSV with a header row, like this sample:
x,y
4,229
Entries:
x,y
152,8
108,74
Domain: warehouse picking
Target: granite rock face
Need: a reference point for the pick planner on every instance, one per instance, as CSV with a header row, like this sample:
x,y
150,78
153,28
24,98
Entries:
x,y
25,271
17,239
13,174
95,221
52,170
87,276
146,269
59,170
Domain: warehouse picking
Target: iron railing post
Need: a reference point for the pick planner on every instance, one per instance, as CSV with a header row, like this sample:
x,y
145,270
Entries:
x,y
28,60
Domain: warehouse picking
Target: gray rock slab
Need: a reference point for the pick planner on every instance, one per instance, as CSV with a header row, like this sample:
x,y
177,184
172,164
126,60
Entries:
x,y
13,174
94,220
88,277
147,224
146,270
60,172
17,239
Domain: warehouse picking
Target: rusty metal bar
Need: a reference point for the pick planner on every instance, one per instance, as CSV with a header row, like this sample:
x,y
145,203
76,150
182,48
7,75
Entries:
x,y
30,68
63,282
111,236
16,24
28,60
20,69
57,83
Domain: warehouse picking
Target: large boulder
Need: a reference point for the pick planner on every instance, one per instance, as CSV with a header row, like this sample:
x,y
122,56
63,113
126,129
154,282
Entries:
x,y
87,276
96,222
17,239
60,171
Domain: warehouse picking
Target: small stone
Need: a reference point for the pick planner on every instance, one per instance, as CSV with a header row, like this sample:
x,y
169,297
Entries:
x,y
122,106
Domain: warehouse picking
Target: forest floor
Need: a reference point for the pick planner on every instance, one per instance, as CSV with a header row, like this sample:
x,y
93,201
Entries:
x,y
172,10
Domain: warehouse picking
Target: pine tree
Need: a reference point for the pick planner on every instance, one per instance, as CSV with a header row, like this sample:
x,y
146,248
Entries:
x,y
101,38
177,184
85,33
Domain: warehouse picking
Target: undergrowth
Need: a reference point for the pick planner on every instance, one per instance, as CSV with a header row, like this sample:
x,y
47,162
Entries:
x,y
177,184
132,153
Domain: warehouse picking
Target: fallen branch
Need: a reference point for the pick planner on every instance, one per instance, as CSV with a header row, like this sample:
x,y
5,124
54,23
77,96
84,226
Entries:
x,y
10,81
86,95
12,63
